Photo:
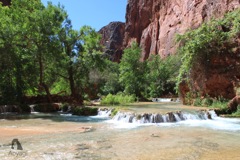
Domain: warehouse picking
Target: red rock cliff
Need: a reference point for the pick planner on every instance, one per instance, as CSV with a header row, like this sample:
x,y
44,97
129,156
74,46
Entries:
x,y
112,39
154,23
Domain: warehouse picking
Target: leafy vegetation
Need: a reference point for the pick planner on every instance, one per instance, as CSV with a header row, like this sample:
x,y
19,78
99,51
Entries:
x,y
214,37
132,71
118,99
237,114
40,53
160,75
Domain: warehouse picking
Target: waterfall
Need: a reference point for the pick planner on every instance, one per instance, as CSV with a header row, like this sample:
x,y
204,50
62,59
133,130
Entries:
x,y
169,117
104,112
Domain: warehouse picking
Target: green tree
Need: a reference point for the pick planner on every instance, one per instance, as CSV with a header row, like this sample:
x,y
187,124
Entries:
x,y
80,52
26,34
161,75
132,71
110,78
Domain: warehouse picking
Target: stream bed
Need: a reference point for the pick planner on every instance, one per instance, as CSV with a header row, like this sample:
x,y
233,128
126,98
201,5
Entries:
x,y
63,136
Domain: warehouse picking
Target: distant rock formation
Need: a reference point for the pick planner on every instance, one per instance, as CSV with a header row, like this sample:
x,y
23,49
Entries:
x,y
112,39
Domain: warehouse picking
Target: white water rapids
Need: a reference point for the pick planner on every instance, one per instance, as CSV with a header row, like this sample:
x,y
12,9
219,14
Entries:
x,y
204,118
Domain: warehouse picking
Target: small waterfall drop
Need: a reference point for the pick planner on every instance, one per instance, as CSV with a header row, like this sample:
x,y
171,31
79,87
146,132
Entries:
x,y
104,112
169,117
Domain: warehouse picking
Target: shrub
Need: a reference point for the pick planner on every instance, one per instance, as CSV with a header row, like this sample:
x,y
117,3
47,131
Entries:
x,y
211,38
207,102
85,111
64,107
114,112
237,114
219,104
25,108
197,102
118,99
48,107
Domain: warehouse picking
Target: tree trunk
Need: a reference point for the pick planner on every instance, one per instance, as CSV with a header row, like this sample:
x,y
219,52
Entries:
x,y
74,94
41,82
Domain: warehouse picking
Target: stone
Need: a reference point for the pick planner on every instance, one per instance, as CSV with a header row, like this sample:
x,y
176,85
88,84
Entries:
x,y
233,104
112,40
171,117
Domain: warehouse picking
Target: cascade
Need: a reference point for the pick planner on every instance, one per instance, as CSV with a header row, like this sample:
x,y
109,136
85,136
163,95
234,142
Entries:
x,y
169,117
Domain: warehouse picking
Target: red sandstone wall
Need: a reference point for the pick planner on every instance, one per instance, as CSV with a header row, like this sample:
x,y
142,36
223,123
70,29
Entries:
x,y
154,23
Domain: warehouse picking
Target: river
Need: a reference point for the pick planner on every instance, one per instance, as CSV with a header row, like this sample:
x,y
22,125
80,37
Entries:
x,y
63,136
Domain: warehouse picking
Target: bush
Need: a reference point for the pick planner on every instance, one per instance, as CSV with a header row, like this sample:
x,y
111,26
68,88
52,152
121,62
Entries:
x,y
197,102
118,99
207,102
219,104
85,111
237,114
25,108
65,107
48,107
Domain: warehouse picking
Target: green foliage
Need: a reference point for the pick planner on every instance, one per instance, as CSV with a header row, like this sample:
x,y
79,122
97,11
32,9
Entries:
x,y
209,39
85,111
237,114
110,77
118,99
114,112
27,32
160,75
41,54
207,102
219,104
132,71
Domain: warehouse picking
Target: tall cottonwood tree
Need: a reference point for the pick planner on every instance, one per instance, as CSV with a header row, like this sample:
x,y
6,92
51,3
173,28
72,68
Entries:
x,y
80,52
27,31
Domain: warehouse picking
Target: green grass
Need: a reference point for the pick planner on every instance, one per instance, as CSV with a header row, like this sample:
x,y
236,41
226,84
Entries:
x,y
219,104
118,99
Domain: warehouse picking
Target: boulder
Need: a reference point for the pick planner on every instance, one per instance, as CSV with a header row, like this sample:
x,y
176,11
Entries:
x,y
112,40
233,104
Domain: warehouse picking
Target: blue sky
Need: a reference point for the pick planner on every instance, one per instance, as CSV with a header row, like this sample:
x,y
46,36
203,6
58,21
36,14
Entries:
x,y
95,13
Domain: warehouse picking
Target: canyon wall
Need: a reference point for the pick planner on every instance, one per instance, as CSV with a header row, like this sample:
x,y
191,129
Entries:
x,y
112,40
154,23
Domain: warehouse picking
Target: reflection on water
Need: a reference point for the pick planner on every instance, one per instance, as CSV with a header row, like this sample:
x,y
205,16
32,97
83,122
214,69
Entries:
x,y
58,136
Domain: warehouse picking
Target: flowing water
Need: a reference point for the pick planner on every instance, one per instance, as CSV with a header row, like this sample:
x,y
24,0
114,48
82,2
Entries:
x,y
150,134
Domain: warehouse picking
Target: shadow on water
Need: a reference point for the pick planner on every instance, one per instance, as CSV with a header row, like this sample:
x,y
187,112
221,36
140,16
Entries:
x,y
57,117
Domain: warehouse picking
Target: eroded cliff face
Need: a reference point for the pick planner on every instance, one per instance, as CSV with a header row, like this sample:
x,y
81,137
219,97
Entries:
x,y
112,39
154,23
